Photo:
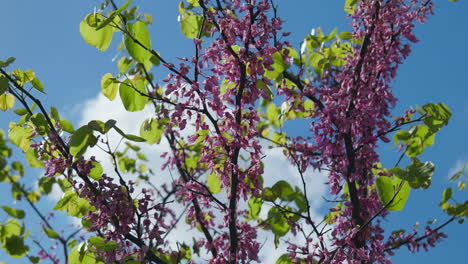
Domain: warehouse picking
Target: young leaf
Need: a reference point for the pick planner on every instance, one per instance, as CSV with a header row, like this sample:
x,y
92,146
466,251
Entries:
x,y
284,259
283,190
3,84
32,157
20,136
129,136
108,86
130,95
279,223
151,131
50,233
82,255
36,83
7,101
101,244
80,141
138,43
67,126
458,174
16,213
278,66
190,24
96,171
214,183
113,15
255,206
101,38
7,63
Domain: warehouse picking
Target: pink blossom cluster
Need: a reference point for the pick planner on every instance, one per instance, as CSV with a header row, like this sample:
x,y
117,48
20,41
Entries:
x,y
222,100
414,244
355,105
117,214
48,151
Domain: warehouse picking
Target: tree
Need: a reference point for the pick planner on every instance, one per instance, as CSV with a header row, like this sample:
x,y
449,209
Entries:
x,y
218,112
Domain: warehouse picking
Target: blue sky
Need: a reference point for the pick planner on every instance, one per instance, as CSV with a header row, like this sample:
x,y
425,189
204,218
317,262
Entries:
x,y
44,37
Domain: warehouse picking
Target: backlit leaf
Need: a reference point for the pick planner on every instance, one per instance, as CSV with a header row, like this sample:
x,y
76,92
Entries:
x,y
389,192
138,44
101,38
7,101
80,141
214,183
108,86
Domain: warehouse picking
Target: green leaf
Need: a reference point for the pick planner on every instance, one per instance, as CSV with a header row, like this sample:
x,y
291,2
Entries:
x,y
40,123
124,64
101,38
417,174
151,131
86,223
20,136
345,35
194,3
330,217
446,195
110,124
349,6
80,141
214,183
284,191
82,255
20,111
129,136
7,101
15,247
269,195
72,242
98,125
50,233
278,222
255,206
67,126
272,114
96,171
34,259
387,190
33,196
458,174
114,14
45,184
32,157
300,201
7,63
36,83
16,213
436,115
108,86
54,113
140,33
190,24
73,204
12,228
101,244
401,135
3,84
130,94
284,259
279,66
